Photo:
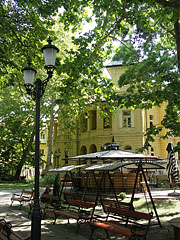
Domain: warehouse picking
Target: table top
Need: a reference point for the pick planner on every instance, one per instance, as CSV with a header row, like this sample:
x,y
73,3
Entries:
x,y
175,222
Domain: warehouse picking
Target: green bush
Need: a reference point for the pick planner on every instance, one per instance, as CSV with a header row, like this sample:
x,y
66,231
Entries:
x,y
57,186
47,180
122,195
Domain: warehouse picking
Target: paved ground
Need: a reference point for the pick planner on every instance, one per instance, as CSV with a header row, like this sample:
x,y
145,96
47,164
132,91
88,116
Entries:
x,y
62,230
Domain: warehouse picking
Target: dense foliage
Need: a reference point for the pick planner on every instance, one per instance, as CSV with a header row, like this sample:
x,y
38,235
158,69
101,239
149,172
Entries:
x,y
23,27
148,29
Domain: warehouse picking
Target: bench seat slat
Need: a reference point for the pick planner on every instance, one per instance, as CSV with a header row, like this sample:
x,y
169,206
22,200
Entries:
x,y
71,214
130,228
128,213
117,228
81,203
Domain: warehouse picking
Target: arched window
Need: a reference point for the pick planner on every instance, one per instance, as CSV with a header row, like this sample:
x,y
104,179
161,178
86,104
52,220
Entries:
x,y
128,148
83,150
93,148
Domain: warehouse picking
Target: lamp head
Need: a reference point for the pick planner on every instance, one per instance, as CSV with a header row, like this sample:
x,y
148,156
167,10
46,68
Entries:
x,y
29,74
49,52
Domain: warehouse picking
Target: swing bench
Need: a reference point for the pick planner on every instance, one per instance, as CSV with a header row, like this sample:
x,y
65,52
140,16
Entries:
x,y
124,220
77,208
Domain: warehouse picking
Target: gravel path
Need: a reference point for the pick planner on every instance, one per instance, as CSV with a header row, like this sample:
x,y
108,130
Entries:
x,y
62,230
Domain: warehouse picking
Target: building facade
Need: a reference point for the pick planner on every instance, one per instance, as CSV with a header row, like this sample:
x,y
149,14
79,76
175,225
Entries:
x,y
127,127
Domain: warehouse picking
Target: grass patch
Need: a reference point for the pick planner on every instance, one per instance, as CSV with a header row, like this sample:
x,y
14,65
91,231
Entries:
x,y
166,208
14,185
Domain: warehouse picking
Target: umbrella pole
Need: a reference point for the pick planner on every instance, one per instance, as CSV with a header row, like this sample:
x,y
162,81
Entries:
x,y
86,184
147,185
134,188
61,192
112,185
98,194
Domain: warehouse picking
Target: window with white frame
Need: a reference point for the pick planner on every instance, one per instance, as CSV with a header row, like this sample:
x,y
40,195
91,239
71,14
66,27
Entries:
x,y
42,136
152,151
126,118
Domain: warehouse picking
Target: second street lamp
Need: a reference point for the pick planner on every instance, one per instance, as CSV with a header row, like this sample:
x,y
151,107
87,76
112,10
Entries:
x,y
36,91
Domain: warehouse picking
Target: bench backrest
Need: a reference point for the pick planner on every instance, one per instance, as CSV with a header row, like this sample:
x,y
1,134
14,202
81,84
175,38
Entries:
x,y
114,203
81,203
27,193
128,213
50,197
76,196
68,196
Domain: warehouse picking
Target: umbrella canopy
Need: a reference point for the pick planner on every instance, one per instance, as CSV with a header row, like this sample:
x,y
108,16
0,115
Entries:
x,y
67,168
172,166
115,155
126,164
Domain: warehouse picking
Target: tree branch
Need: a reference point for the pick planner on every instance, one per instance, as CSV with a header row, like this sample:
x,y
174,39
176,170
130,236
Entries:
x,y
101,41
177,35
172,4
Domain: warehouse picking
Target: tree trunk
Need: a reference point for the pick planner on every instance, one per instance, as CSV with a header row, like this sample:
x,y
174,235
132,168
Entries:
x,y
24,155
48,163
177,35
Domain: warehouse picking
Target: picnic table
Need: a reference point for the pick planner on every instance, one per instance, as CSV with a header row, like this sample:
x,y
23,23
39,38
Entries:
x,y
175,222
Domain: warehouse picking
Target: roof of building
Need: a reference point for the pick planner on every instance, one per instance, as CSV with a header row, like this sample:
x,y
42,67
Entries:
x,y
113,64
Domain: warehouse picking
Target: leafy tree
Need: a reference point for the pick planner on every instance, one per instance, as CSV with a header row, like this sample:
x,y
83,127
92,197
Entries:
x,y
23,27
17,132
155,25
154,77
154,49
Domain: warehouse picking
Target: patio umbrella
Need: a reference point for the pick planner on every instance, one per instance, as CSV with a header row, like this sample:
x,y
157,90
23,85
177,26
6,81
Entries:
x,y
67,168
115,155
172,166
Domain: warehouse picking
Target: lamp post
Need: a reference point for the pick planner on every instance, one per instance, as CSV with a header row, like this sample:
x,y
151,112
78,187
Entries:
x,y
36,90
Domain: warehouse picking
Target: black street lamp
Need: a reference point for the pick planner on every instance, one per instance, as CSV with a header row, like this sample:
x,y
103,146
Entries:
x,y
36,91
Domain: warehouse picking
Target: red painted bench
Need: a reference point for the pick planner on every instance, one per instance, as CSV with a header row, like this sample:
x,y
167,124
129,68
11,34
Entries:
x,y
125,222
48,203
114,203
80,211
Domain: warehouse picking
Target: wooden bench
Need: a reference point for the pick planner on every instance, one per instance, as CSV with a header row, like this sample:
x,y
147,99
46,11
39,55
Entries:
x,y
6,232
114,203
26,196
81,211
124,222
47,203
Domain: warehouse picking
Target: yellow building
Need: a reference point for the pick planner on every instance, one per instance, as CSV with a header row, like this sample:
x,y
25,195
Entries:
x,y
127,126
44,145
